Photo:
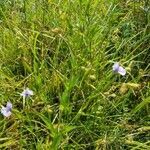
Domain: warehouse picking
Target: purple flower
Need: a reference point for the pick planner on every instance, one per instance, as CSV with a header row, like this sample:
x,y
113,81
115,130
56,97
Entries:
x,y
6,111
26,93
119,69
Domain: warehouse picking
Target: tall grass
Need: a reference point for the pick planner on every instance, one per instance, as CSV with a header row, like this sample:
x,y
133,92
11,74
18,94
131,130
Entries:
x,y
64,52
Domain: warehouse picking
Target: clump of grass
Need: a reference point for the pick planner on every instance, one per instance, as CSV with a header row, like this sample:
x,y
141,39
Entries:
x,y
64,52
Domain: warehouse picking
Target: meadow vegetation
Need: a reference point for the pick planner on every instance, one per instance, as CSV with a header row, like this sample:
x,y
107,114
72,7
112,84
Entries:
x,y
64,50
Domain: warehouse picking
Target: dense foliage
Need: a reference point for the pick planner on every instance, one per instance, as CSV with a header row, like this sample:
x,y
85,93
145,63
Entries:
x,y
64,52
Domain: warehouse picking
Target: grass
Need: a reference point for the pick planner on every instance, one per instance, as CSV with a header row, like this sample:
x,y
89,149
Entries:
x,y
64,52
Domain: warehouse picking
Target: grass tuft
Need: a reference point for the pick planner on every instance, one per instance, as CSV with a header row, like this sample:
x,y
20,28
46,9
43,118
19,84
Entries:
x,y
64,51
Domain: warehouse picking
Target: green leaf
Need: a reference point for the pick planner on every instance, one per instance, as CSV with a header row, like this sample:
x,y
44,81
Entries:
x,y
141,105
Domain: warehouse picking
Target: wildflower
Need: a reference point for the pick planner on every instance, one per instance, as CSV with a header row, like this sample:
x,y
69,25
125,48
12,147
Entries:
x,y
26,93
119,69
6,111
